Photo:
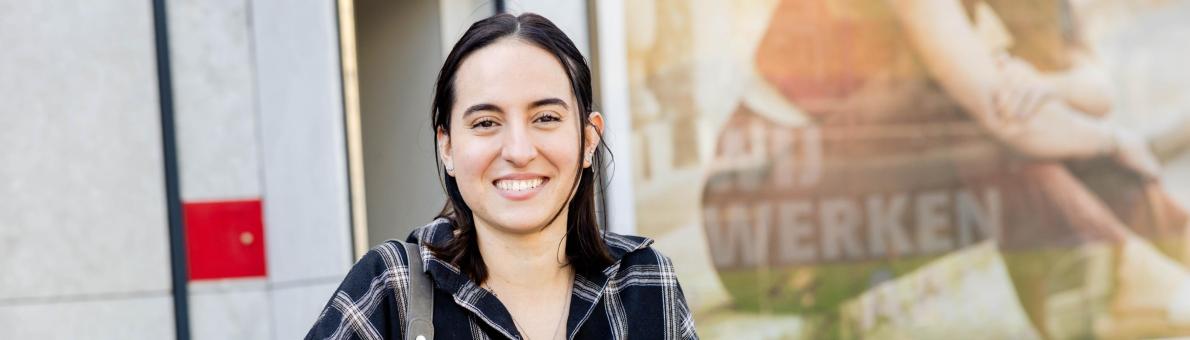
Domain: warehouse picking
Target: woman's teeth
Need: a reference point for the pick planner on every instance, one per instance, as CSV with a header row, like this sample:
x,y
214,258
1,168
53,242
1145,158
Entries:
x,y
518,184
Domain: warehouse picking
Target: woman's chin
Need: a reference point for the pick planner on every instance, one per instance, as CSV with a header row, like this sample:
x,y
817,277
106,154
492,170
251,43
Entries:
x,y
521,223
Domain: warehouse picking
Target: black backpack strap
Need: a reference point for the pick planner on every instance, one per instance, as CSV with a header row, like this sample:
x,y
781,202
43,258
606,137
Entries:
x,y
419,316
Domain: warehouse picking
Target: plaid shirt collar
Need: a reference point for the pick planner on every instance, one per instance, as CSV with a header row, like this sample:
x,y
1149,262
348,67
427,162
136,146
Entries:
x,y
588,286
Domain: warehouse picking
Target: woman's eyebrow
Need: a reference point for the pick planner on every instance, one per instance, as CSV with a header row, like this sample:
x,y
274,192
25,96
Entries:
x,y
481,107
549,101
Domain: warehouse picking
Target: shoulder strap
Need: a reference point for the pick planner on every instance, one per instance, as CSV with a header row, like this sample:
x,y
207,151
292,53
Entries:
x,y
419,316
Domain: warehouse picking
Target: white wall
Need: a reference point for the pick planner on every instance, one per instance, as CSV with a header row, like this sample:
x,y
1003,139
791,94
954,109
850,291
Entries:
x,y
84,246
259,112
83,233
303,152
612,71
211,52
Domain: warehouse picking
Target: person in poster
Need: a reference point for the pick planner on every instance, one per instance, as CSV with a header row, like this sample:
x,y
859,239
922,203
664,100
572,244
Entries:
x,y
1049,98
927,137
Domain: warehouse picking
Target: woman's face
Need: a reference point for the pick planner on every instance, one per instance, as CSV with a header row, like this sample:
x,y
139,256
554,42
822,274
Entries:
x,y
513,142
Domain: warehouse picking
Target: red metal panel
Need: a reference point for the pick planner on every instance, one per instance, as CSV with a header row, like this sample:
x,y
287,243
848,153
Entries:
x,y
225,239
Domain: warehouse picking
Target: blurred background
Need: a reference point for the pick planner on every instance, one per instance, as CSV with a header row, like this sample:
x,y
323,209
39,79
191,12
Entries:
x,y
211,169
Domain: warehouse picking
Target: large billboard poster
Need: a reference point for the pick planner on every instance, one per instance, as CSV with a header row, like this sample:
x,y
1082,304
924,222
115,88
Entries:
x,y
909,169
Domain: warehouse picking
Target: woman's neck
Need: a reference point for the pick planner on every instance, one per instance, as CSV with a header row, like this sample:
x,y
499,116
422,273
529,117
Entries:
x,y
524,260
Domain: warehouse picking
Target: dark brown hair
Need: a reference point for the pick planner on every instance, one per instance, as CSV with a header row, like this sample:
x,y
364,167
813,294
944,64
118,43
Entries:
x,y
585,249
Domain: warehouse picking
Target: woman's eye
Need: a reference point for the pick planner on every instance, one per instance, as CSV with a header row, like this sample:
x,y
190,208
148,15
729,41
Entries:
x,y
549,118
484,124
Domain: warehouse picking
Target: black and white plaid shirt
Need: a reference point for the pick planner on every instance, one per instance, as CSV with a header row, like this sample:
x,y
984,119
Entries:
x,y
638,296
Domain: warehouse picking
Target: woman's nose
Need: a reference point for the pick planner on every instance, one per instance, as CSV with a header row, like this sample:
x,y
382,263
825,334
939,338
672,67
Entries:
x,y
518,148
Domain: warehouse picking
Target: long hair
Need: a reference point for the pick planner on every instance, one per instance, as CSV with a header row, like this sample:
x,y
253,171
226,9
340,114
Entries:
x,y
585,249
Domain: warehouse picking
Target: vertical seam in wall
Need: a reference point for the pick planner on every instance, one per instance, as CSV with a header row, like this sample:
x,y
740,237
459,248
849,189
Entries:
x,y
346,142
352,139
602,176
258,114
173,199
593,49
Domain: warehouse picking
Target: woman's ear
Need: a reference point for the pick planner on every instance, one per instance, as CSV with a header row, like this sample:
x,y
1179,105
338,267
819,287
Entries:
x,y
594,134
444,151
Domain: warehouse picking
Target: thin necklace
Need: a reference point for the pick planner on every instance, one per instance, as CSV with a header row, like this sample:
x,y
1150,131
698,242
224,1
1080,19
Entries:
x,y
561,319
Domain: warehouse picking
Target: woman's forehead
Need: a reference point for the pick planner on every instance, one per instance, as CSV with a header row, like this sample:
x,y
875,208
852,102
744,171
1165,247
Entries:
x,y
510,73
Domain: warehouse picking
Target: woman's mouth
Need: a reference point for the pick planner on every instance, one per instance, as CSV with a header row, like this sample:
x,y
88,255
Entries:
x,y
519,188
519,184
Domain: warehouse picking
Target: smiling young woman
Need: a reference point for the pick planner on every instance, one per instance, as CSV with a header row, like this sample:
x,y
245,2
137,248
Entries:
x,y
517,252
